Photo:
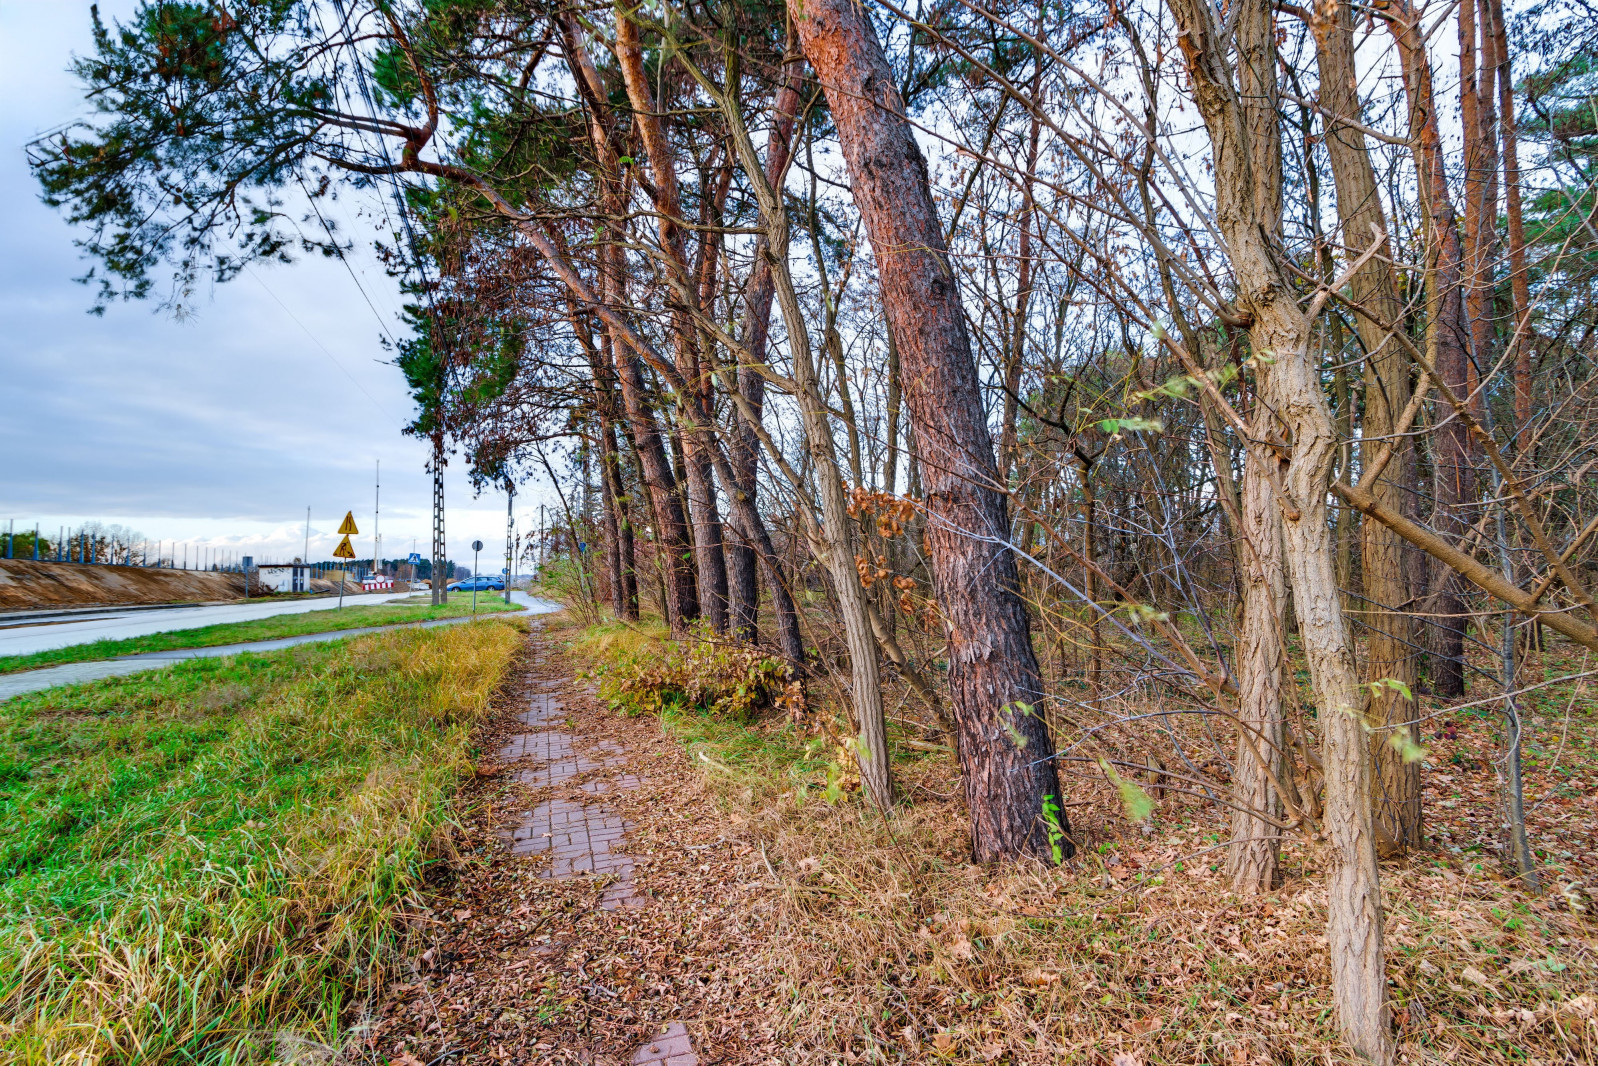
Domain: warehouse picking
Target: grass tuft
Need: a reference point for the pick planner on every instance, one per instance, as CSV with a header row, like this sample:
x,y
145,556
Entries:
x,y
203,864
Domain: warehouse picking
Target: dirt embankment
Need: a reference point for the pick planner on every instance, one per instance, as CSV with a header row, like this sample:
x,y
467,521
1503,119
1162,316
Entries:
x,y
25,584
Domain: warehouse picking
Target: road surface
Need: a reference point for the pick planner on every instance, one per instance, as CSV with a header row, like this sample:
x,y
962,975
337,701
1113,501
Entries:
x,y
63,631
75,673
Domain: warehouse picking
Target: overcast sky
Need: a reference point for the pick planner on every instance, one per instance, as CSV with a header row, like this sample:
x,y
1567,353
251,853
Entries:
x,y
220,429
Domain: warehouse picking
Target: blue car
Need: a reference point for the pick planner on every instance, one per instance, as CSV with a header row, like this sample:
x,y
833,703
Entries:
x,y
479,584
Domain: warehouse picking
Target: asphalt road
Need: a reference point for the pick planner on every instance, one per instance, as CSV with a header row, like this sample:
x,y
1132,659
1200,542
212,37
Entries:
x,y
75,673
59,632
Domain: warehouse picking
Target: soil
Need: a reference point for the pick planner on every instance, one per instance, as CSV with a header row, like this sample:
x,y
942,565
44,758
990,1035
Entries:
x,y
26,585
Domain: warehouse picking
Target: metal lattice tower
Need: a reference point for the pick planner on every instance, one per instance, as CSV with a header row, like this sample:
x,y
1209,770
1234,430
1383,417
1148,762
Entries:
x,y
439,578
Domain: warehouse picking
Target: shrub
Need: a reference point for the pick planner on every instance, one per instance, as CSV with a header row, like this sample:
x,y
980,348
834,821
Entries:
x,y
718,679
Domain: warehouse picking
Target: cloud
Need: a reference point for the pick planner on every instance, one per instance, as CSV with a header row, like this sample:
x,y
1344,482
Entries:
x,y
218,429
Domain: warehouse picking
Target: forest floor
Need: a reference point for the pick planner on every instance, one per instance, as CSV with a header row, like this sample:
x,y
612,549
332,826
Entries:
x,y
739,894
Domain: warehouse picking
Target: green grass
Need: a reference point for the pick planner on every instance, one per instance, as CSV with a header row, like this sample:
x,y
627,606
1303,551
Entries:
x,y
283,625
202,864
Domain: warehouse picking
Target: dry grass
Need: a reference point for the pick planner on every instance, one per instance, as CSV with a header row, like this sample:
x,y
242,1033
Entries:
x,y
913,954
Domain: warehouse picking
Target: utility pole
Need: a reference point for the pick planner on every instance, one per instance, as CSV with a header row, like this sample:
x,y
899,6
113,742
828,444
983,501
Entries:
x,y
377,498
306,558
438,582
510,535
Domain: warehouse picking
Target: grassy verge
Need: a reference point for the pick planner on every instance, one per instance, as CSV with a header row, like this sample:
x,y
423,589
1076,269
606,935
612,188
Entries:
x,y
283,625
203,864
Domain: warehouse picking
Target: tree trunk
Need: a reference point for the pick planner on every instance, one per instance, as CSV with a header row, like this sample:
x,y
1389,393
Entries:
x,y
1252,857
1248,213
618,528
698,478
996,692
1448,342
834,541
671,526
1390,644
1519,286
1016,348
745,446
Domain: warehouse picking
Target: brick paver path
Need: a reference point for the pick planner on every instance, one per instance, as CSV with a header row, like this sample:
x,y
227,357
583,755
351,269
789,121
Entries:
x,y
583,839
670,1048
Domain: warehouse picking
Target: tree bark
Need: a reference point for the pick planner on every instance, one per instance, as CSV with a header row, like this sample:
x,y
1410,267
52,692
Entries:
x,y
699,479
996,692
1255,848
1448,337
1247,213
1390,644
1015,350
751,384
1519,286
681,600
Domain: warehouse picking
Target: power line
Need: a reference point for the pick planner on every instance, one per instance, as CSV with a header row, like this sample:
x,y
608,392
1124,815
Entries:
x,y
316,341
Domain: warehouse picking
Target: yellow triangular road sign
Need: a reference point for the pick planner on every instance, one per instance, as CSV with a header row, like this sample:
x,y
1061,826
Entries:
x,y
344,551
349,525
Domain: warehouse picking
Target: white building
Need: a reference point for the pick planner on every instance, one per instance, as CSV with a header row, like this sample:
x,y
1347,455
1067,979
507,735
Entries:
x,y
285,577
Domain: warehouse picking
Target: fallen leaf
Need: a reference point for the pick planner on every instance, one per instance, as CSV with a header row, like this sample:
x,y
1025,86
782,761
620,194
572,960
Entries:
x,y
943,1041
1041,978
405,1059
991,1051
1475,976
1125,1058
961,948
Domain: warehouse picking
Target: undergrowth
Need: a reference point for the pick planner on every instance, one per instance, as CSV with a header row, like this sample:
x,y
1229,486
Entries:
x,y
203,864
642,672
1135,948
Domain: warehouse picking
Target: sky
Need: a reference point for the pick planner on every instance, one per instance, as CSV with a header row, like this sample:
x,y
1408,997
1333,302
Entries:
x,y
218,430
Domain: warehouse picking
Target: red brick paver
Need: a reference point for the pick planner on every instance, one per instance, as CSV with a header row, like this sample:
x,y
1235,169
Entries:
x,y
670,1048
582,839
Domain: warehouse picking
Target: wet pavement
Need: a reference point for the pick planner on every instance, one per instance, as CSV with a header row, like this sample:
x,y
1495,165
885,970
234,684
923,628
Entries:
x,y
62,630
583,839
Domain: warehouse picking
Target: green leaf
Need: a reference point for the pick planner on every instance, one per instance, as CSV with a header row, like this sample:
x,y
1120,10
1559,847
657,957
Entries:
x,y
1139,805
1406,747
1392,683
1132,425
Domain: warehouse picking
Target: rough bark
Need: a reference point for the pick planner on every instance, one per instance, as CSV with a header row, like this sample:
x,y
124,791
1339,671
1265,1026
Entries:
x,y
1391,629
680,596
1255,848
1289,383
699,481
996,693
1448,338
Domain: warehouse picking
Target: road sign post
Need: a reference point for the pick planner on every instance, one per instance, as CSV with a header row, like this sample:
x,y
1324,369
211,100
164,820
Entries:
x,y
477,546
345,551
